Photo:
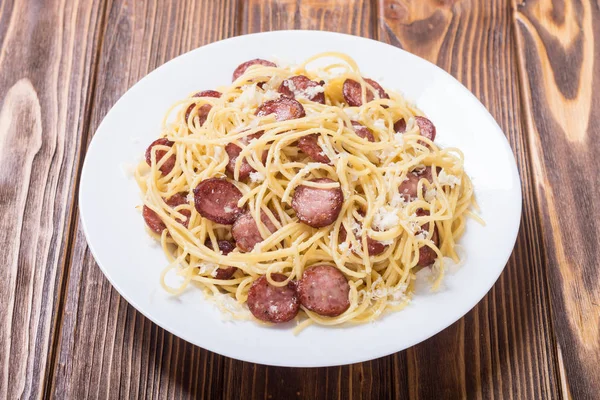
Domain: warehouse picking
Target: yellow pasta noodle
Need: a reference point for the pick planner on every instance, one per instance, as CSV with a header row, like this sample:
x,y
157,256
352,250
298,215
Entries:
x,y
369,174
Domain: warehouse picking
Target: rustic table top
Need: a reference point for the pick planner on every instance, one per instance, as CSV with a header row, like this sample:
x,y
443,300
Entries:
x,y
66,333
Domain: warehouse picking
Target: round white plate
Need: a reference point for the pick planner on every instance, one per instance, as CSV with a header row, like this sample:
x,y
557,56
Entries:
x,y
132,261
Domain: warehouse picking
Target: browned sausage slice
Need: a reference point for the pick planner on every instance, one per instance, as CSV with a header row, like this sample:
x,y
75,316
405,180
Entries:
x,y
271,303
226,247
363,131
239,71
246,232
284,109
202,111
427,128
301,84
400,126
324,290
427,255
310,146
233,151
208,93
382,94
169,162
374,247
317,207
408,188
216,199
352,92
153,220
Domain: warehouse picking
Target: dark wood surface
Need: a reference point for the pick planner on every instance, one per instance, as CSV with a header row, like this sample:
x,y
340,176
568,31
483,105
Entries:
x,y
66,333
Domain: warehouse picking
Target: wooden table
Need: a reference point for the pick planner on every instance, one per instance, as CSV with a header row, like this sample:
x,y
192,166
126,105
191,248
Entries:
x,y
66,333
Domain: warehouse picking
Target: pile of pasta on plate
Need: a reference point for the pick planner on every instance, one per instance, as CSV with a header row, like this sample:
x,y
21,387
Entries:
x,y
305,192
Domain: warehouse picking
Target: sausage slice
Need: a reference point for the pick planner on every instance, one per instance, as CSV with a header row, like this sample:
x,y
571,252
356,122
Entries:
x,y
317,207
169,163
300,84
324,290
204,110
233,151
426,254
216,199
156,224
226,247
352,92
284,109
374,247
363,131
310,146
408,188
271,303
239,71
426,127
246,232
400,126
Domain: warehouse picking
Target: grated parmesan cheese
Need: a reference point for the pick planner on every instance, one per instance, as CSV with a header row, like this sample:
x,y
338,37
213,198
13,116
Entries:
x,y
399,138
380,124
384,220
344,248
190,197
257,176
352,113
208,268
397,200
312,91
446,179
430,194
251,97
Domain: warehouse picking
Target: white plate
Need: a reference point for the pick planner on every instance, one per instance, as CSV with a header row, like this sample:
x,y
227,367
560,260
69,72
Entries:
x,y
132,262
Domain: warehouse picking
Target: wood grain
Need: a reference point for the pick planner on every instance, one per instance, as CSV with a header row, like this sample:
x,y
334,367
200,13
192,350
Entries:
x,y
558,52
66,333
504,347
47,59
105,348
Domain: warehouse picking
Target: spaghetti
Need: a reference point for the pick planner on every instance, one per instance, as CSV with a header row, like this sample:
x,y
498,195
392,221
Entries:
x,y
274,147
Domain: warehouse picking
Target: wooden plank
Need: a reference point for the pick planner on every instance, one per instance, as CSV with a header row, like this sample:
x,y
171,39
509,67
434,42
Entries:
x,y
47,61
558,56
504,347
106,349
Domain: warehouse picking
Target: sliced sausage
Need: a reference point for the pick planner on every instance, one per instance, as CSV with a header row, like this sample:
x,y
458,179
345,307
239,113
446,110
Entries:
x,y
310,146
300,84
324,289
169,162
216,199
226,247
374,247
363,131
208,93
427,255
246,232
284,109
153,220
233,151
426,127
408,188
317,207
239,71
204,110
352,92
272,303
400,126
